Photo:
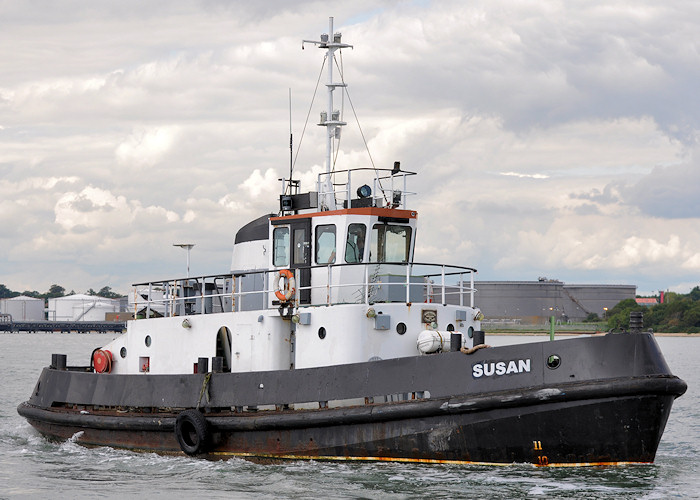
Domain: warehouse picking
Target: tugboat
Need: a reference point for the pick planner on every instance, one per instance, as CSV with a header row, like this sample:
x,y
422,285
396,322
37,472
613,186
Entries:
x,y
327,341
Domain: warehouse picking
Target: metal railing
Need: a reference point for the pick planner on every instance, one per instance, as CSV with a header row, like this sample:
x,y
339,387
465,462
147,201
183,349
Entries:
x,y
356,283
390,189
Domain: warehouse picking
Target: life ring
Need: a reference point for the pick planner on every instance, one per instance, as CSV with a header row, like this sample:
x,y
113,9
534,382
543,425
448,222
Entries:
x,y
286,291
192,432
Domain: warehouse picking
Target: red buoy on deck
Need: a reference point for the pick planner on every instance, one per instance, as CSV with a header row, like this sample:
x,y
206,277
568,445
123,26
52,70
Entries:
x,y
102,361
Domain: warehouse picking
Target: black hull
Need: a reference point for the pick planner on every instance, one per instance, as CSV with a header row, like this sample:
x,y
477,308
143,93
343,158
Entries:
x,y
606,420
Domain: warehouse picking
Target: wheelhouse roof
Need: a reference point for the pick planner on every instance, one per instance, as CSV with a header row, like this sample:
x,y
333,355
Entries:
x,y
377,211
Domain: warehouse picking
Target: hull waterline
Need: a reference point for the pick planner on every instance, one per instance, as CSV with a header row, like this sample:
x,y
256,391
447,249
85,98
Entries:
x,y
613,420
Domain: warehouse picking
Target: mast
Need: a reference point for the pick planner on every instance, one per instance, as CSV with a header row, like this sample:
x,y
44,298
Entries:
x,y
291,142
330,118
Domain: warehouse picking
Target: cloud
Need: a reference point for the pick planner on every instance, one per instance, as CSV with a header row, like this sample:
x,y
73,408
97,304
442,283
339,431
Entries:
x,y
543,63
636,251
609,194
524,176
668,191
258,183
549,138
94,208
145,147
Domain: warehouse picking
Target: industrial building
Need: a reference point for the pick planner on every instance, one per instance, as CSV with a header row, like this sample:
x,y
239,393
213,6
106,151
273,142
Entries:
x,y
23,308
533,302
81,307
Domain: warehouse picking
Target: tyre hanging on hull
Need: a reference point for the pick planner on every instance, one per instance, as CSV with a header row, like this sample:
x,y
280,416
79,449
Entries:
x,y
192,432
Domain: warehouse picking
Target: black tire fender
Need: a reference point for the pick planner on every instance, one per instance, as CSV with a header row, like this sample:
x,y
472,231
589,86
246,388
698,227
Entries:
x,y
192,432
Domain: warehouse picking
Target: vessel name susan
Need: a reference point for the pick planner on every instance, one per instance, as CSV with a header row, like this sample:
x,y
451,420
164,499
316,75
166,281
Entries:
x,y
490,368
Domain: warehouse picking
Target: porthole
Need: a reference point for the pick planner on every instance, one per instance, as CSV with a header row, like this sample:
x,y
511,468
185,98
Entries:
x,y
148,341
553,362
470,332
322,333
450,328
401,328
122,352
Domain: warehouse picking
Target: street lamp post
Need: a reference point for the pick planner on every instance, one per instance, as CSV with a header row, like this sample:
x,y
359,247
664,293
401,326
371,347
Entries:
x,y
187,246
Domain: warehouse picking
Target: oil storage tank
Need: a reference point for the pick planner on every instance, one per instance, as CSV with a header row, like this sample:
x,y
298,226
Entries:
x,y
81,307
23,308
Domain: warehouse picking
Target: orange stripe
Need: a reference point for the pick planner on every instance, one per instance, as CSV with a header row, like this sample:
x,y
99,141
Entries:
x,y
385,212
416,460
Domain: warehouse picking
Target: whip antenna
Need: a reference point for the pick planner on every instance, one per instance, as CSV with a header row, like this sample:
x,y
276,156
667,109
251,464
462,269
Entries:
x,y
291,147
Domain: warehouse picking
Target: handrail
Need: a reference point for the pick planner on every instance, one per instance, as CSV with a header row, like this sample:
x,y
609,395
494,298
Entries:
x,y
344,193
261,271
196,295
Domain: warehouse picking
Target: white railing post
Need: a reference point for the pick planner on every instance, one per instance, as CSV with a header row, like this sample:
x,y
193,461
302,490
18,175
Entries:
x,y
297,279
403,200
150,298
266,289
366,283
328,287
443,284
408,283
471,286
240,293
201,292
461,289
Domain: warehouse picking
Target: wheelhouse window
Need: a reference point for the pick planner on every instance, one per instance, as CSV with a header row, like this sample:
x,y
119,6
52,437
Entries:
x,y
280,247
325,244
390,243
355,244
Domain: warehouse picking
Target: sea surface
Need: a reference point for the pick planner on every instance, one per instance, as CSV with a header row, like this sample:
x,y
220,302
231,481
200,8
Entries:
x,y
32,467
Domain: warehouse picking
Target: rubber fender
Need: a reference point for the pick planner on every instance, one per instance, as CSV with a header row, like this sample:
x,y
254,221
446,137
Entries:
x,y
192,432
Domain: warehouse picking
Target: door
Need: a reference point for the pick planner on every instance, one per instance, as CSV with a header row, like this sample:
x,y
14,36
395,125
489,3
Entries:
x,y
301,256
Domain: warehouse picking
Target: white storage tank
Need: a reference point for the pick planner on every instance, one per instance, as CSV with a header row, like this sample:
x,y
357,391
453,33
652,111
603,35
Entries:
x,y
23,308
80,307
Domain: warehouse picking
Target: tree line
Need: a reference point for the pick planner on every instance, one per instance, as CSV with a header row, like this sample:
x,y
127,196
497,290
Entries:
x,y
680,313
56,291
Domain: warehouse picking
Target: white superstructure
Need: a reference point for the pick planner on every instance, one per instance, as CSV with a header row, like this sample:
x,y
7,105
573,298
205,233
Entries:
x,y
329,279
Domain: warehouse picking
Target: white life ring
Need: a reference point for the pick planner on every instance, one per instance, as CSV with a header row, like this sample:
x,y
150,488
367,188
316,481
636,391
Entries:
x,y
286,286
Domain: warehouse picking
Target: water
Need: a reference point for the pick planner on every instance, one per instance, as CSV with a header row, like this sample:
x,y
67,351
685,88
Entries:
x,y
31,467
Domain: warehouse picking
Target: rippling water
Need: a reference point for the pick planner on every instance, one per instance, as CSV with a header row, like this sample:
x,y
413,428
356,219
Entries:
x,y
31,467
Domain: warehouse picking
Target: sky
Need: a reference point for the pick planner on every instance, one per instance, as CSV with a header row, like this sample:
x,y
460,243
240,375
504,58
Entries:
x,y
552,139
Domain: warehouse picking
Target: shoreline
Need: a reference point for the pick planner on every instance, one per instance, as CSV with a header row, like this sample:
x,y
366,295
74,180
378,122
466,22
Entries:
x,y
575,333
542,333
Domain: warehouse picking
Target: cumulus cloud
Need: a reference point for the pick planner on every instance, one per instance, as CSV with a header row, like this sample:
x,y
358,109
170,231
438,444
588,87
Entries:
x,y
146,147
549,138
668,191
259,183
97,208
